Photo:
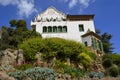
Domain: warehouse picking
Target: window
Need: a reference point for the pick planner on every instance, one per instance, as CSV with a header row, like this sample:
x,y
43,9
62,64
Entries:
x,y
34,27
81,28
64,29
44,29
59,28
54,29
49,29
86,44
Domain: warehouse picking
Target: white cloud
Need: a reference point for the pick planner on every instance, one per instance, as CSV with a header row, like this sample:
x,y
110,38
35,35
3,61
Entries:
x,y
82,4
8,2
72,3
85,3
25,7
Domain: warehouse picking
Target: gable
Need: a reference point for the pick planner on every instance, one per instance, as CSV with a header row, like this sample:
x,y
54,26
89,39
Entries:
x,y
50,14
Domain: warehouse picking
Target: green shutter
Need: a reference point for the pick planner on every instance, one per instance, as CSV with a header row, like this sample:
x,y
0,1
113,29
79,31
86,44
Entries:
x,y
101,46
94,43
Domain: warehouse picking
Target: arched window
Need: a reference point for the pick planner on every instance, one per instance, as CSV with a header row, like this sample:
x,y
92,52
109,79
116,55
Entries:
x,y
49,29
64,29
54,29
59,29
44,29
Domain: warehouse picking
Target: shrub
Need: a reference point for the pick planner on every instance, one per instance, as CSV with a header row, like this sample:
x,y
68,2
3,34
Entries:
x,y
113,71
96,74
67,69
31,47
107,63
52,47
38,73
85,60
23,66
18,75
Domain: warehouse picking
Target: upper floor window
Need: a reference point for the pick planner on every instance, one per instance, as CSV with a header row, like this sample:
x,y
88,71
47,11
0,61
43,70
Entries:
x,y
49,29
44,29
59,28
81,27
54,29
64,29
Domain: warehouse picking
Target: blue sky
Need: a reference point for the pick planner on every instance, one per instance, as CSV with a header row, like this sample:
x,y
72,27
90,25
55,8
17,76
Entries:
x,y
107,13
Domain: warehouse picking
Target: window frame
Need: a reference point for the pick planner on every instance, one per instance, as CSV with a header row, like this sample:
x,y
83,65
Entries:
x,y
81,28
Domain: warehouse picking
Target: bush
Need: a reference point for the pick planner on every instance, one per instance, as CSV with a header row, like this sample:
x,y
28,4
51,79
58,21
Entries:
x,y
23,66
113,71
96,74
52,47
18,75
67,69
38,73
107,63
31,47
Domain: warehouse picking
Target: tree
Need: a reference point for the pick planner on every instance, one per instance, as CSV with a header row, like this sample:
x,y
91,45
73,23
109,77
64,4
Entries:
x,y
113,71
107,63
105,38
6,37
11,37
12,23
20,24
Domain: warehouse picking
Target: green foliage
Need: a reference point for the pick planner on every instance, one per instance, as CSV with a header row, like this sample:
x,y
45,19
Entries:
x,y
12,23
105,38
53,47
11,37
85,60
6,36
64,68
92,55
31,47
18,75
23,66
20,24
96,74
113,71
114,57
107,63
38,73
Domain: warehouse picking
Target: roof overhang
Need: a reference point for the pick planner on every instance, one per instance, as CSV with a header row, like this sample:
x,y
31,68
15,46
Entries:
x,y
80,17
91,33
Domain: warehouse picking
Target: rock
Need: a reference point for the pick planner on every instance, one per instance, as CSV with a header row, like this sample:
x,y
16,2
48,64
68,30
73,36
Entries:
x,y
4,76
11,56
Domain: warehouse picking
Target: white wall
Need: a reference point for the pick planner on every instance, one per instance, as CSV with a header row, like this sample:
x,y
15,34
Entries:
x,y
72,29
72,26
88,40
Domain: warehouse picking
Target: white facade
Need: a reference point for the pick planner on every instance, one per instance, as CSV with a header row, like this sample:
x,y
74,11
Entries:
x,y
70,24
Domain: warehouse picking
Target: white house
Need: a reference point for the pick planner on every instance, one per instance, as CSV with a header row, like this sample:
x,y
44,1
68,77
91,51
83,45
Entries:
x,y
53,23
